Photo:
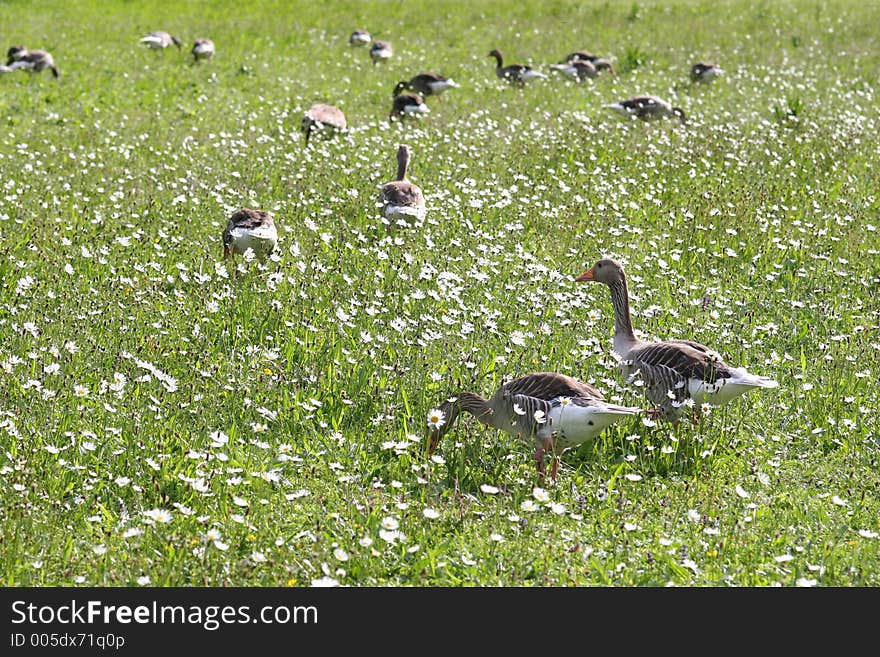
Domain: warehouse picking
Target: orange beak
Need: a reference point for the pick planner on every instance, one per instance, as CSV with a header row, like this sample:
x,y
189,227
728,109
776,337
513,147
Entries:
x,y
588,275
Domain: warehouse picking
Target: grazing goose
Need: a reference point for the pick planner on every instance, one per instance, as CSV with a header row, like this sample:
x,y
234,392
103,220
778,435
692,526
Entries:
x,y
250,229
359,38
555,411
647,108
577,69
32,61
380,51
202,49
706,73
407,105
675,373
427,84
600,63
401,199
323,117
159,40
515,73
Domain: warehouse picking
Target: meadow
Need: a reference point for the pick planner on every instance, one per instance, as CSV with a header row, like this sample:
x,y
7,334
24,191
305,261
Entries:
x,y
170,419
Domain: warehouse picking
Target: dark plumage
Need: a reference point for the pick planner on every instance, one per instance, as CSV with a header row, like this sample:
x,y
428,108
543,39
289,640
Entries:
x,y
407,104
516,73
32,61
426,84
702,72
647,108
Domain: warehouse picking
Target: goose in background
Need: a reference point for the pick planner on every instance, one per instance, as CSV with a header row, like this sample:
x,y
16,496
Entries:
x,y
600,63
407,105
577,69
516,73
323,117
250,229
380,51
675,374
426,84
203,49
556,412
359,38
32,61
647,108
705,73
159,40
401,200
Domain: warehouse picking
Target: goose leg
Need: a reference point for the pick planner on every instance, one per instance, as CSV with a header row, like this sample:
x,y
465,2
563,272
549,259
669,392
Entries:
x,y
539,463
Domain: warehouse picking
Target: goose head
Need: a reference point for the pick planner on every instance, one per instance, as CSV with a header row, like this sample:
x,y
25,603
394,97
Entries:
x,y
606,271
15,53
401,86
677,111
177,42
496,55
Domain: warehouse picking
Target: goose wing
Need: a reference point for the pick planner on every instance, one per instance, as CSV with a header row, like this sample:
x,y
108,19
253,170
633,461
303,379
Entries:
x,y
670,367
551,385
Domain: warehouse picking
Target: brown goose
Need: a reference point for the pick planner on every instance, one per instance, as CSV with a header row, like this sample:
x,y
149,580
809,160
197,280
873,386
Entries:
x,y
380,51
250,229
647,108
676,373
600,63
706,73
402,200
426,84
359,38
323,117
159,40
555,411
203,49
577,69
32,61
516,73
407,105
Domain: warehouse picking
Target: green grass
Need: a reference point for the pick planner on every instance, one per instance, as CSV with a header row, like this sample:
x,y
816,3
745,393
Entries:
x,y
320,365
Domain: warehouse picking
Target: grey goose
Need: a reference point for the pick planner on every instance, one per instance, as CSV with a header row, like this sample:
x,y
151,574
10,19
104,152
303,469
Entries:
x,y
32,61
250,229
400,199
517,74
323,117
426,84
647,108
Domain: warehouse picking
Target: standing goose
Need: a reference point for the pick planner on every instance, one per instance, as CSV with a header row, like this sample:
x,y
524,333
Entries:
x,y
159,40
578,69
555,411
647,108
407,105
323,117
401,199
250,229
516,73
202,49
359,38
675,373
380,51
706,73
426,84
32,61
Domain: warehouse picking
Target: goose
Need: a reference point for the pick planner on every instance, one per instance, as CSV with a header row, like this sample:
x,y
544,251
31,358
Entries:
x,y
401,199
202,49
578,69
359,38
675,373
159,40
515,73
701,72
600,63
407,104
380,51
32,61
426,84
323,117
250,229
555,411
647,108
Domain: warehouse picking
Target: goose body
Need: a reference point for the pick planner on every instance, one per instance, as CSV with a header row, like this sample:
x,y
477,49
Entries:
x,y
599,63
323,117
407,105
577,69
675,374
516,73
32,61
556,412
250,229
159,40
359,38
702,72
203,49
426,84
380,51
402,200
647,108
